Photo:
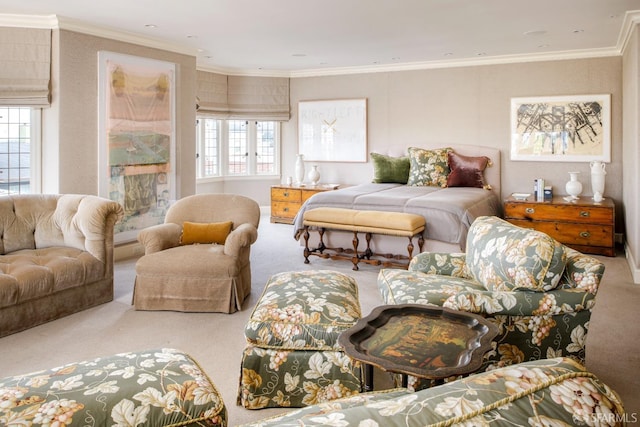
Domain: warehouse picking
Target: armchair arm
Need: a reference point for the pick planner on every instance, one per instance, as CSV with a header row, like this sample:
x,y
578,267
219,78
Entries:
x,y
159,237
245,235
442,263
521,303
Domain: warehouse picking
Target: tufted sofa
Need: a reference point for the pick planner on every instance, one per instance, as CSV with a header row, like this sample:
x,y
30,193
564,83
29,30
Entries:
x,y
56,256
537,291
551,392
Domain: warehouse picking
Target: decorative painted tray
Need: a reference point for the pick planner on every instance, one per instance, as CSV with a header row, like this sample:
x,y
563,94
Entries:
x,y
424,341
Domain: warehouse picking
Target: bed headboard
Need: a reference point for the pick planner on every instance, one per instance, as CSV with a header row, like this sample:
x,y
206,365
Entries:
x,y
492,174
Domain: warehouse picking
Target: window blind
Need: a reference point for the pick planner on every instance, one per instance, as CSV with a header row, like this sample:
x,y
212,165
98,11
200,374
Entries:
x,y
212,93
25,66
243,97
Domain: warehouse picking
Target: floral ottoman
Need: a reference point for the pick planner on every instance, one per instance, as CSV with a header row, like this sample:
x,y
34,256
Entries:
x,y
153,388
292,357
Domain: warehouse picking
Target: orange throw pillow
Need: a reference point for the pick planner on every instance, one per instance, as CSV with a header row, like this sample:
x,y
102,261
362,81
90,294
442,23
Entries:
x,y
196,232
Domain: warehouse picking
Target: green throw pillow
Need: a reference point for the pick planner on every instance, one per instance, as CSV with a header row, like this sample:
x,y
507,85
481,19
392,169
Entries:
x,y
390,169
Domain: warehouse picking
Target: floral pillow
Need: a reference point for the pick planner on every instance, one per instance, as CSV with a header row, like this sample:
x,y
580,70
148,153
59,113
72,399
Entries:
x,y
505,257
428,167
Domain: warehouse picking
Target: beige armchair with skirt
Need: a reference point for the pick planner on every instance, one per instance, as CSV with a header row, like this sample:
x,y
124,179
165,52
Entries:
x,y
198,260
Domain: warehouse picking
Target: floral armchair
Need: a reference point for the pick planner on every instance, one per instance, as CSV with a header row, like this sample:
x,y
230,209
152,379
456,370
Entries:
x,y
538,292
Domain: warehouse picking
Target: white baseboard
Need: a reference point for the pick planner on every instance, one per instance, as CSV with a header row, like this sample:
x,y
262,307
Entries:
x,y
128,250
635,271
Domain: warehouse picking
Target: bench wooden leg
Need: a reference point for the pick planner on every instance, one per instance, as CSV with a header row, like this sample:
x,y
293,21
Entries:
x,y
306,244
420,242
410,247
321,246
368,252
354,258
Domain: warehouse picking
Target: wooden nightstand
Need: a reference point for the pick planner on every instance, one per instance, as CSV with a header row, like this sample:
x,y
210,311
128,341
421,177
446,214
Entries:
x,y
583,225
286,200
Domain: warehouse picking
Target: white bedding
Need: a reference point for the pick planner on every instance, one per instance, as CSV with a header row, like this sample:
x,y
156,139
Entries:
x,y
448,211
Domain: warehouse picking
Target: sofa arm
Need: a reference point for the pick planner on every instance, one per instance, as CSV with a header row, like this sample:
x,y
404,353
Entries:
x,y
243,236
442,263
87,223
160,237
554,391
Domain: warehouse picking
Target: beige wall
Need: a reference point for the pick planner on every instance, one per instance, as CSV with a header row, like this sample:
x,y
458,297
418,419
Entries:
x,y
631,147
70,150
468,105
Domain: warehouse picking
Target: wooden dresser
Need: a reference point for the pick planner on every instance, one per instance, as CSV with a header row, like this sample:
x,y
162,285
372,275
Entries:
x,y
583,225
287,199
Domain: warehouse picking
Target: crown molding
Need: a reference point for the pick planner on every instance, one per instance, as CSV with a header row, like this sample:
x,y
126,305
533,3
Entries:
x,y
631,19
69,24
470,62
28,21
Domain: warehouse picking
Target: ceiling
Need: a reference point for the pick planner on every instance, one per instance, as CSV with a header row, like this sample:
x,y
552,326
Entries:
x,y
298,37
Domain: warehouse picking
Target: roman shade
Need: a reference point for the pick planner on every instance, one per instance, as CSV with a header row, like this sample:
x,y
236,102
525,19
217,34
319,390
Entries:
x,y
25,67
243,97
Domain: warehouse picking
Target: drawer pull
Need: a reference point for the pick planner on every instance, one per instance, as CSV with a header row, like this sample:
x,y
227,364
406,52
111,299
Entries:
x,y
286,209
585,234
285,194
530,210
585,214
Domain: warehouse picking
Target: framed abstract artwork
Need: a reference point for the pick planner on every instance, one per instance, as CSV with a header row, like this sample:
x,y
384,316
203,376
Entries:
x,y
561,128
137,139
333,130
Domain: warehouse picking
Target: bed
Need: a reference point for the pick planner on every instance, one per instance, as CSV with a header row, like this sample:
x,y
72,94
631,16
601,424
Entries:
x,y
448,210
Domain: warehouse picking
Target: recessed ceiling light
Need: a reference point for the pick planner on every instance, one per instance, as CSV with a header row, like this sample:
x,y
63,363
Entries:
x,y
395,58
542,46
151,26
299,55
578,31
481,53
448,54
191,36
535,33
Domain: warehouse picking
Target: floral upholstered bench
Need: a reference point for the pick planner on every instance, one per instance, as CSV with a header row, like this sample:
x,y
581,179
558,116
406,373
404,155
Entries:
x,y
292,357
152,388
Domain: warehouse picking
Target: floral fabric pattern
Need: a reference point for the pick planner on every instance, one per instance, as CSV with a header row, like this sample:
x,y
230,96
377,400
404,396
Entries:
x,y
428,167
292,357
155,388
552,392
505,257
532,325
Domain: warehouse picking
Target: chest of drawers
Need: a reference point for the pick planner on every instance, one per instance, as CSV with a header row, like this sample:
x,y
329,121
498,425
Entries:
x,y
286,200
582,225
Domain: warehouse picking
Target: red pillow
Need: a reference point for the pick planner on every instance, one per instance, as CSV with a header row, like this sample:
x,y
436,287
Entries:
x,y
466,171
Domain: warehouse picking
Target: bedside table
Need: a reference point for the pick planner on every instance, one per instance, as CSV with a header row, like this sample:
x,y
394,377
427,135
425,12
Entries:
x,y
286,200
583,225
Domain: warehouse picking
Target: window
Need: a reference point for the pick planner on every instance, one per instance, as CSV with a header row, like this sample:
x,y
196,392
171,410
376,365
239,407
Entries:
x,y
19,153
237,147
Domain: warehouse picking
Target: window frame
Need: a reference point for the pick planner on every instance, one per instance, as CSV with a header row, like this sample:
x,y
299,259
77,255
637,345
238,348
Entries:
x,y
224,148
35,148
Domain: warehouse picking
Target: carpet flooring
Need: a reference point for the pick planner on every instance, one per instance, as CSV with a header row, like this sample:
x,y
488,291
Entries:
x,y
216,340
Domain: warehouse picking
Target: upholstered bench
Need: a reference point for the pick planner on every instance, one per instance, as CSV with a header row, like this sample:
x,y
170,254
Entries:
x,y
292,357
369,222
163,387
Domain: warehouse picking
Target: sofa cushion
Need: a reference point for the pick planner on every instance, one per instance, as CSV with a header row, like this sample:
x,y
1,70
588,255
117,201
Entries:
x,y
502,256
30,274
162,387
